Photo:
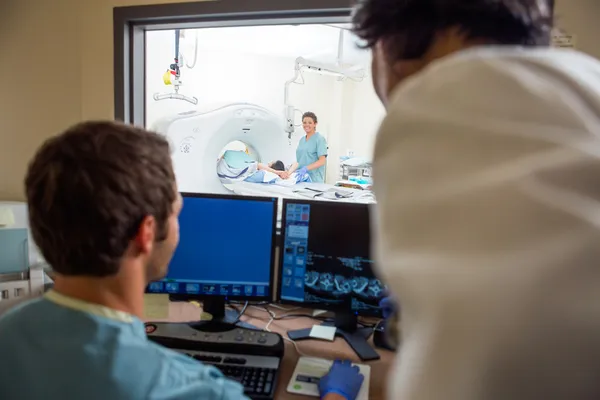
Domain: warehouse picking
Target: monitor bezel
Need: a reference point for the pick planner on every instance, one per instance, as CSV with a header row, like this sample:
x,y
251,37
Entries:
x,y
320,306
272,268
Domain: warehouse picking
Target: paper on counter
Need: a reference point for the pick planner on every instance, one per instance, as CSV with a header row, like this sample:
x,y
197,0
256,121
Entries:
x,y
313,366
309,370
323,332
156,306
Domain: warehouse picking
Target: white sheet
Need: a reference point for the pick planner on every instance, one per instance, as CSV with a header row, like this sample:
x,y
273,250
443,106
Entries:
x,y
270,177
229,174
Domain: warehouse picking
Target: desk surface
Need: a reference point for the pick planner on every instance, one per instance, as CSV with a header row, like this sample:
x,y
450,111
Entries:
x,y
183,312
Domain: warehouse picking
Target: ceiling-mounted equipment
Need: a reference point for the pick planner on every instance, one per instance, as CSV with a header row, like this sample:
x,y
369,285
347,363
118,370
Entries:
x,y
355,73
338,69
173,74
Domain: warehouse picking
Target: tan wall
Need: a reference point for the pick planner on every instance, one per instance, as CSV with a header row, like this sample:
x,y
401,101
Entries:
x,y
40,70
580,17
56,68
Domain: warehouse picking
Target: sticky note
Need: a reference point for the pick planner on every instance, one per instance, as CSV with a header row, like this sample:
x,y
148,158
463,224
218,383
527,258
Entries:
x,y
156,306
206,316
323,332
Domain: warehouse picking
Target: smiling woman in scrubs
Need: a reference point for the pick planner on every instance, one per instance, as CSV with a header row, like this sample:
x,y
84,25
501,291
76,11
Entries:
x,y
311,153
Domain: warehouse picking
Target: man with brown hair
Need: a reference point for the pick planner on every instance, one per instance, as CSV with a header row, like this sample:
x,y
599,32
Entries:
x,y
103,209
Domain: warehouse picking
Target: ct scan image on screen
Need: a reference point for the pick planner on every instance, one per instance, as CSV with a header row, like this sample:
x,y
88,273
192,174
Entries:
x,y
326,257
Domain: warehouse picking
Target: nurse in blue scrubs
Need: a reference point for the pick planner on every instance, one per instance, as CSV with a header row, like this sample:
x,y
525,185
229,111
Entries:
x,y
311,154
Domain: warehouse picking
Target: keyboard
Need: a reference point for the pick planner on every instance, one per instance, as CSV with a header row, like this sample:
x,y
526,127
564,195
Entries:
x,y
248,356
258,374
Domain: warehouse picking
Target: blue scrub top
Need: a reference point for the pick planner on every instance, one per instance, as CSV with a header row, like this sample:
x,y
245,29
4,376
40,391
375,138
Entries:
x,y
309,151
58,347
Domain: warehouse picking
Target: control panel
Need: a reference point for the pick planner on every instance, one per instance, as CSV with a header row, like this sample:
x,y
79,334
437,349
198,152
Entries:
x,y
230,339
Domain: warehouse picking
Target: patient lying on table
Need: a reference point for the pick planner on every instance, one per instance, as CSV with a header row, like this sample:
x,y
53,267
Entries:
x,y
274,167
239,166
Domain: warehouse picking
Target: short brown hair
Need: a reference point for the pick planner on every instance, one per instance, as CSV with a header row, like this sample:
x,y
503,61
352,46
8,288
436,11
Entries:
x,y
310,114
89,188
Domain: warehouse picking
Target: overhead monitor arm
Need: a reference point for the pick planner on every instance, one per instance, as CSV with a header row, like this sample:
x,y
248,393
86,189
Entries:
x,y
355,73
290,111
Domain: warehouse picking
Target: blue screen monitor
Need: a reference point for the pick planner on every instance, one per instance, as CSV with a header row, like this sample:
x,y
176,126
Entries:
x,y
325,260
226,249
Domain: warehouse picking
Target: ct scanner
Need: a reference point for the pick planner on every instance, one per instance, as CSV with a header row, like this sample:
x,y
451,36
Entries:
x,y
198,137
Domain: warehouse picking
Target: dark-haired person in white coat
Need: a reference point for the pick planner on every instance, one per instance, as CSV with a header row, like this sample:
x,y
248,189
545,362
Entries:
x,y
487,176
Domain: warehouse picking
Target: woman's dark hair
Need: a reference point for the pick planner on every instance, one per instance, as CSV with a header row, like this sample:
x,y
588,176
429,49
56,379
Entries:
x,y
310,114
408,27
278,165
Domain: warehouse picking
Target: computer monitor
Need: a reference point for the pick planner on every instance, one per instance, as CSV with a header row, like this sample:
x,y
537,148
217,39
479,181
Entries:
x,y
226,251
326,263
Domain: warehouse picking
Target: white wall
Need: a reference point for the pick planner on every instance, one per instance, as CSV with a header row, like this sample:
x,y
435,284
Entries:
x,y
357,116
228,77
229,70
364,113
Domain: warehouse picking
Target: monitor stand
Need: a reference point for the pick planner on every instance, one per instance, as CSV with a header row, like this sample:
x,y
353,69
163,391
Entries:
x,y
223,320
348,329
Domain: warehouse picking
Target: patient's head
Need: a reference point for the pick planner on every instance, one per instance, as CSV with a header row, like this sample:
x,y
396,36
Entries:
x,y
277,165
102,198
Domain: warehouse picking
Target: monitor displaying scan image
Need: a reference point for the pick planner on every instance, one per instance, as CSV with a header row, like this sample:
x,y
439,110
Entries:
x,y
226,249
326,259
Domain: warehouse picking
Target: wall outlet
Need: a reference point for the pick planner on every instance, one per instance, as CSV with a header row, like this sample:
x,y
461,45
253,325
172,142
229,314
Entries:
x,y
350,153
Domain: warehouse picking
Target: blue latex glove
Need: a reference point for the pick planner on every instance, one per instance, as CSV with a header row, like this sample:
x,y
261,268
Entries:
x,y
388,306
343,378
302,171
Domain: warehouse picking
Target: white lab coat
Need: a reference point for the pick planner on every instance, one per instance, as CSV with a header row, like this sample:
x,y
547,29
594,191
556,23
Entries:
x,y
487,228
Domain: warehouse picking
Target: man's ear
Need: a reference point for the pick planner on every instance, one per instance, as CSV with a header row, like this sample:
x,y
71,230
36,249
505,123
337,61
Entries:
x,y
146,234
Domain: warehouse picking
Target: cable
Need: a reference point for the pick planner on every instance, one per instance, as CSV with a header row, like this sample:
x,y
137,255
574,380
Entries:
x,y
301,113
252,304
286,316
273,317
267,328
183,59
284,308
310,316
337,27
241,313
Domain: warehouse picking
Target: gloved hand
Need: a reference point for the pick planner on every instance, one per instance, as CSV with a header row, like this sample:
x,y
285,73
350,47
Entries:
x,y
388,306
302,171
343,379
